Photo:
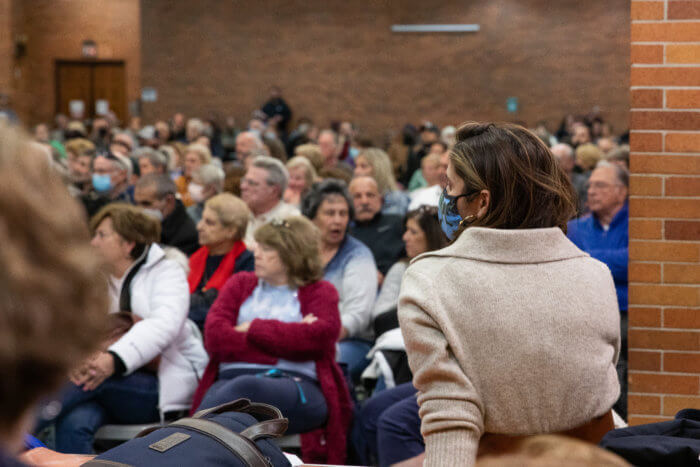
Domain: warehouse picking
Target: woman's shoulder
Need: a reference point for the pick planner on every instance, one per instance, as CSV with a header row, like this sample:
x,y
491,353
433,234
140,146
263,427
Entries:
x,y
243,278
320,287
353,248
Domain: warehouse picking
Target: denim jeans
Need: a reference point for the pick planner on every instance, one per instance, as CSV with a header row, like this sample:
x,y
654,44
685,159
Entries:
x,y
387,429
284,392
119,399
353,352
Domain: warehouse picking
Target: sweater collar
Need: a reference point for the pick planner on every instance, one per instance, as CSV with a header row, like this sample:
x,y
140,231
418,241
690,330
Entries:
x,y
513,246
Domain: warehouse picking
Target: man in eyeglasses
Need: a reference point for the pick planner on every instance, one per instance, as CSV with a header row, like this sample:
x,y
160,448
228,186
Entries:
x,y
603,233
262,188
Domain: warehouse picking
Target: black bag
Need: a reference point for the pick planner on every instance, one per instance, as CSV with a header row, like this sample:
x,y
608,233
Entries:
x,y
676,442
232,434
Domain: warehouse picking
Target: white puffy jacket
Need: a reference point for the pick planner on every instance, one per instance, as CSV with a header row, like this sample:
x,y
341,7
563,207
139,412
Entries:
x,y
160,295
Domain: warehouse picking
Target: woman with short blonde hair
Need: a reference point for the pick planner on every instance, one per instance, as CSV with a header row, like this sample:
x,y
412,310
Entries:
x,y
375,163
301,176
271,337
312,152
221,230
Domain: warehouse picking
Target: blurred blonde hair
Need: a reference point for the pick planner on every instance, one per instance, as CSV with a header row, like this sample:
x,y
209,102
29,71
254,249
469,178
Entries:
x,y
201,150
588,155
232,212
381,169
302,162
312,152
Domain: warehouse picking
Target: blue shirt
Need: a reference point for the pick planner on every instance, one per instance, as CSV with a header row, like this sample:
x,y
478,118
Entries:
x,y
609,246
353,273
272,302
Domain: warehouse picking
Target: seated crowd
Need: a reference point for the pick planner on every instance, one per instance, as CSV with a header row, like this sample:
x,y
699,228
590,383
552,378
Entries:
x,y
267,263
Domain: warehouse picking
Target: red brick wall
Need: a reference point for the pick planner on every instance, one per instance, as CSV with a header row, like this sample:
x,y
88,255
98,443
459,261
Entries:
x,y
6,47
664,271
338,59
55,30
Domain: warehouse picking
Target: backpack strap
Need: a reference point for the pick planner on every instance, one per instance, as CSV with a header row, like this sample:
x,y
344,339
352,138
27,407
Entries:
x,y
272,424
239,405
239,445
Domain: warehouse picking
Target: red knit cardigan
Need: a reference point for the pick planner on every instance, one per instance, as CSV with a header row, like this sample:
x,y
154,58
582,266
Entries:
x,y
268,340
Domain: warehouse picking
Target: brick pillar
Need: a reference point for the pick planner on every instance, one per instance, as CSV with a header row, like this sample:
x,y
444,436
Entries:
x,y
664,270
6,46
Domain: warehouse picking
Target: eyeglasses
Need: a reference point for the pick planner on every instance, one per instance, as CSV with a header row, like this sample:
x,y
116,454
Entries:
x,y
601,185
250,182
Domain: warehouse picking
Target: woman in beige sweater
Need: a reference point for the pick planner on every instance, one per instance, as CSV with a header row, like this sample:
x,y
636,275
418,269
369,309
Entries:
x,y
510,330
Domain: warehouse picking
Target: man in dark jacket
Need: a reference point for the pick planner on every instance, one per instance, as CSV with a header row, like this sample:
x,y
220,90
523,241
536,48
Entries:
x,y
277,110
156,195
382,233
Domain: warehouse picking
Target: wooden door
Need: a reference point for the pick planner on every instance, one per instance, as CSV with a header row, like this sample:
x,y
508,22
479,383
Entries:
x,y
73,82
109,83
89,82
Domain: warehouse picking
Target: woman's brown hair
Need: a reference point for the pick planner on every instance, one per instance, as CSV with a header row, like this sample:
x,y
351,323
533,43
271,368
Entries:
x,y
528,189
131,223
296,239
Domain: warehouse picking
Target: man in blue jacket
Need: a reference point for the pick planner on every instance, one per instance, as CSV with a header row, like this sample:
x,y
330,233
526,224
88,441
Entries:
x,y
604,235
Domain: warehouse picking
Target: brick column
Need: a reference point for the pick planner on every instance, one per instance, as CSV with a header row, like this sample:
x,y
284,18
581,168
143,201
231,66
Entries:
x,y
6,46
664,270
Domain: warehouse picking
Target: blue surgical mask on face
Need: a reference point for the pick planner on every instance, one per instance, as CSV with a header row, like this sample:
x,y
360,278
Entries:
x,y
101,183
448,215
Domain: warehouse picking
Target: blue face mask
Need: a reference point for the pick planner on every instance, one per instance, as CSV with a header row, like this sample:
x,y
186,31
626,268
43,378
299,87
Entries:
x,y
448,215
101,183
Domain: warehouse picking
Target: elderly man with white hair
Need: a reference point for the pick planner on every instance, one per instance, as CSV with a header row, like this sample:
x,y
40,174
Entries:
x,y
262,189
207,182
565,156
247,142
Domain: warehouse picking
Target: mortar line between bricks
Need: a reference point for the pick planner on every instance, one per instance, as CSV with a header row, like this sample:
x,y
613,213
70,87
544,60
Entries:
x,y
665,43
665,10
651,109
666,373
665,65
664,197
687,132
656,394
664,21
661,153
654,328
663,88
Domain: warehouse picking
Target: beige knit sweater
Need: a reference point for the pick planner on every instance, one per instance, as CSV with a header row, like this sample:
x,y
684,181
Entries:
x,y
508,331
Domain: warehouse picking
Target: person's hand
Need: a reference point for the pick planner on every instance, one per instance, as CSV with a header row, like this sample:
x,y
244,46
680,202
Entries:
x,y
99,369
343,333
79,375
309,319
243,327
380,278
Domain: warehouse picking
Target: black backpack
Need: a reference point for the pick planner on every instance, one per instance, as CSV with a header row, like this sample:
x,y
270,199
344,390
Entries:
x,y
232,434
